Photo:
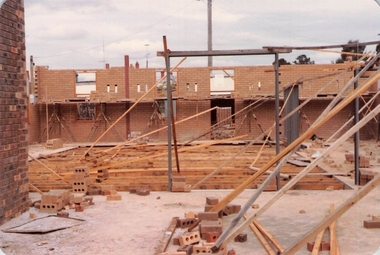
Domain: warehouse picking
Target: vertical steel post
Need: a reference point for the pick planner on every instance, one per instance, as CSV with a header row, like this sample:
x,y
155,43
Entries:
x,y
277,112
357,134
169,106
209,30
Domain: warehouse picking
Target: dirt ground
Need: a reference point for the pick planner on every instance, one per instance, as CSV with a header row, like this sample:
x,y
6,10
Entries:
x,y
137,224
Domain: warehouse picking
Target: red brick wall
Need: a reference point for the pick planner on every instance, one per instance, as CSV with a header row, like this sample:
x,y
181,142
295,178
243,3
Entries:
x,y
14,183
62,85
84,130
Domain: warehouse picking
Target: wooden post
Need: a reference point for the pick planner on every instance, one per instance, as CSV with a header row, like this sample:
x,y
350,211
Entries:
x,y
261,238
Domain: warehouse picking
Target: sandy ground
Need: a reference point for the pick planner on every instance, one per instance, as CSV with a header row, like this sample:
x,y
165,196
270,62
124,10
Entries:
x,y
136,224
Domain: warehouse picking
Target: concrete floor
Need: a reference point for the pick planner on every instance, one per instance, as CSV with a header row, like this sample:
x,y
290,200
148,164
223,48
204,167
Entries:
x,y
136,224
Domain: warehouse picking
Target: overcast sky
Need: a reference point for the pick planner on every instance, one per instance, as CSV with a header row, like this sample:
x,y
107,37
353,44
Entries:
x,y
80,34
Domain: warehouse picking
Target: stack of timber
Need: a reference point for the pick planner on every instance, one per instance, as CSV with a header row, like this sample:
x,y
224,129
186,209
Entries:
x,y
152,172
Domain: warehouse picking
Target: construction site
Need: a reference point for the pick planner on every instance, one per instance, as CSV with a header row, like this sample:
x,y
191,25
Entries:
x,y
179,160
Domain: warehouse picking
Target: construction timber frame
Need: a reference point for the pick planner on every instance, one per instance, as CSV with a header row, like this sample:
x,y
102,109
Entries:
x,y
167,54
328,113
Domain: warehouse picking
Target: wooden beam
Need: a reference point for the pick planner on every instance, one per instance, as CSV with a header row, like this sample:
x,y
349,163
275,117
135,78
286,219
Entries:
x,y
222,165
189,148
261,238
350,120
129,109
317,243
48,168
296,143
268,235
35,188
353,200
170,101
303,173
160,129
334,249
321,47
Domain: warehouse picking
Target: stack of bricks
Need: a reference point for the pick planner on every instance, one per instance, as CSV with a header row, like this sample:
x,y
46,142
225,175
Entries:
x,y
365,177
364,161
81,179
102,175
179,184
14,191
54,200
54,144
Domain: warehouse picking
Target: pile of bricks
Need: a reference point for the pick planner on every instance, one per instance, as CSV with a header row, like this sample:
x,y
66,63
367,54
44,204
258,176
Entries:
x,y
179,184
81,179
54,144
54,200
110,192
364,161
210,227
102,175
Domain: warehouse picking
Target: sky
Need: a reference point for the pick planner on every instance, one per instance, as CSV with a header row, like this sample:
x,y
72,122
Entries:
x,y
85,34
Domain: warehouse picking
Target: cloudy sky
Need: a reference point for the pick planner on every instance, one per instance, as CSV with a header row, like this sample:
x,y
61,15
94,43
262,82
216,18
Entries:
x,y
80,34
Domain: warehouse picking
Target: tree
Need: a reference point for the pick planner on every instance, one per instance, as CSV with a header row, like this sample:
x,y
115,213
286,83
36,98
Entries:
x,y
282,61
303,60
353,47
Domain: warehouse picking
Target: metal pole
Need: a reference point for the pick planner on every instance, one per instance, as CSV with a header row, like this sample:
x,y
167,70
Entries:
x,y
277,112
356,135
209,30
169,106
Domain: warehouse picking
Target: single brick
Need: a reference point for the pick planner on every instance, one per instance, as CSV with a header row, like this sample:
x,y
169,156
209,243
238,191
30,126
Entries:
x,y
190,238
241,238
79,208
175,241
185,223
371,223
142,192
231,252
212,200
210,228
212,216
190,215
63,214
210,237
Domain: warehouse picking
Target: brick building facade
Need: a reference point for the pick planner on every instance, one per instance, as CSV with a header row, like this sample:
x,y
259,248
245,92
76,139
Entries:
x,y
14,187
117,88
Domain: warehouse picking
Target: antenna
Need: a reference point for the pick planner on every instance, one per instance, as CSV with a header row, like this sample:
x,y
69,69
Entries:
x,y
147,55
104,54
